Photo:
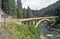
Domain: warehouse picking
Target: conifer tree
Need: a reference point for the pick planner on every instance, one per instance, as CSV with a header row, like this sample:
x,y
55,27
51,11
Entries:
x,y
4,5
24,13
13,10
29,13
19,9
9,7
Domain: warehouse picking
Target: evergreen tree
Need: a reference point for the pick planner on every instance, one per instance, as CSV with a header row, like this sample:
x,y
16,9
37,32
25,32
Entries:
x,y
9,7
4,5
24,13
29,13
19,9
14,10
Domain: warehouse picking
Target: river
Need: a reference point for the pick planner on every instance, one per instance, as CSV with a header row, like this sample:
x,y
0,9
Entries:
x,y
50,34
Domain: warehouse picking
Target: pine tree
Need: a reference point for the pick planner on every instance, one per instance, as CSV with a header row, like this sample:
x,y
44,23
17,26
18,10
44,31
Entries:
x,y
9,7
4,5
24,13
19,9
13,9
29,13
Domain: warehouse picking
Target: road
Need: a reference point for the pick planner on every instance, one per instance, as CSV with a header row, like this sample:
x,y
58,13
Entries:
x,y
4,34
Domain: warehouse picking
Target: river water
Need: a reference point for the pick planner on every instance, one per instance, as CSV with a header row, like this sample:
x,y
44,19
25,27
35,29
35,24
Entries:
x,y
49,33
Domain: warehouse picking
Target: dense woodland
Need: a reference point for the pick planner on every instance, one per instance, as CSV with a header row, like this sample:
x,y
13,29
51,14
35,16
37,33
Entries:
x,y
52,10
10,7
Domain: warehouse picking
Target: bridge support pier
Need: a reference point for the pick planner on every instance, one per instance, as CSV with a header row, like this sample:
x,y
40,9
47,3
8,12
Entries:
x,y
30,23
26,23
33,22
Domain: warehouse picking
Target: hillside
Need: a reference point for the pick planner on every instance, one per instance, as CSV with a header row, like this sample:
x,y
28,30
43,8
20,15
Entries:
x,y
53,9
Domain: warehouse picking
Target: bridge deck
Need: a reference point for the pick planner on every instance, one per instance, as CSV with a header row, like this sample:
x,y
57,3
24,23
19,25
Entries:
x,y
27,19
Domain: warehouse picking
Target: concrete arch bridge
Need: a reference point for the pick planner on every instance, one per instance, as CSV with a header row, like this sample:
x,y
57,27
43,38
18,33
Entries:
x,y
35,21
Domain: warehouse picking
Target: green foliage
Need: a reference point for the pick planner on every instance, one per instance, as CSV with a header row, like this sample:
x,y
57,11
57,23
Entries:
x,y
29,13
52,10
23,31
24,13
4,5
10,8
20,12
19,9
53,21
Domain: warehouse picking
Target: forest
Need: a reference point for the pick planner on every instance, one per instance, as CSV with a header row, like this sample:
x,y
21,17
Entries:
x,y
10,7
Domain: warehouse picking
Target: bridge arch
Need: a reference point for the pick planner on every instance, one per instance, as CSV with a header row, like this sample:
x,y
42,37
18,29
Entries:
x,y
42,21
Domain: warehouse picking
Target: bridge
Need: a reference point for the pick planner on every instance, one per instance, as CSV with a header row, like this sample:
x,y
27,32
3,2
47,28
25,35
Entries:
x,y
34,21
